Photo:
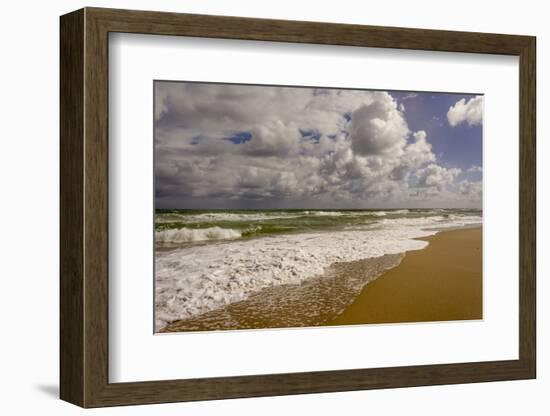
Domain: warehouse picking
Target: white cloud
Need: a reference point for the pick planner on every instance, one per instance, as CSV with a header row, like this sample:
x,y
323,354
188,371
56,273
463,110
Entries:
x,y
378,127
471,190
409,96
470,112
420,151
414,155
474,169
436,177
272,139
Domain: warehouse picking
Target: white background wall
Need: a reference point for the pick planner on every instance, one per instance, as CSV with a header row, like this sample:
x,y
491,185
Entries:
x,y
29,224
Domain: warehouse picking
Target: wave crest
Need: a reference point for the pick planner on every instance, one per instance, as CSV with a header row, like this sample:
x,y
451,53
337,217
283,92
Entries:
x,y
189,235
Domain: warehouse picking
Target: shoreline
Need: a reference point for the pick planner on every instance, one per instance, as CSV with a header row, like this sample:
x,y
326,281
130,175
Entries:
x,y
442,282
338,296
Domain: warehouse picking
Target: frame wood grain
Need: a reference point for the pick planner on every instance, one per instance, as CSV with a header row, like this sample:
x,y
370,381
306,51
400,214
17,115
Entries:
x,y
84,207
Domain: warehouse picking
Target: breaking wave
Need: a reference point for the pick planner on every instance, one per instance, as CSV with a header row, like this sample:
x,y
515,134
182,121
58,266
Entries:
x,y
187,235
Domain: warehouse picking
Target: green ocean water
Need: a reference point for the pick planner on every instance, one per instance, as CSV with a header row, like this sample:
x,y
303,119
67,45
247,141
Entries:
x,y
257,223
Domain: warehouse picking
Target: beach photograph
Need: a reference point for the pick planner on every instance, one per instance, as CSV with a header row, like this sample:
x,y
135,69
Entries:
x,y
294,206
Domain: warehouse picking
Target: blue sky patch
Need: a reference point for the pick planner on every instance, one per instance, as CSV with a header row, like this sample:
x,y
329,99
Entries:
x,y
240,137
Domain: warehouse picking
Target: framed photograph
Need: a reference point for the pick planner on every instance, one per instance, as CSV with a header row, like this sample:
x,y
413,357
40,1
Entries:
x,y
255,207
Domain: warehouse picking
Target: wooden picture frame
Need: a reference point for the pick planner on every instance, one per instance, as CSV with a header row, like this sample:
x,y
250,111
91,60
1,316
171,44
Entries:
x,y
84,207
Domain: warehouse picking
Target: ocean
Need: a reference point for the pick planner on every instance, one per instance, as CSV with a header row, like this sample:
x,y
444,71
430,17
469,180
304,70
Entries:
x,y
208,259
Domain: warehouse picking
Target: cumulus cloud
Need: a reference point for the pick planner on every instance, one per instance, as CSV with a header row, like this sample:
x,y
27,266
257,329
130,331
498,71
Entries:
x,y
471,190
378,127
219,145
273,139
466,111
414,155
436,177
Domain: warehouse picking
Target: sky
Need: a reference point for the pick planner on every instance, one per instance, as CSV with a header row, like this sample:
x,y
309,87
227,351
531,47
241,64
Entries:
x,y
234,146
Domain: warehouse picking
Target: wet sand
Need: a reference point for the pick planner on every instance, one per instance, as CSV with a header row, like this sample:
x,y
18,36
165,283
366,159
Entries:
x,y
439,283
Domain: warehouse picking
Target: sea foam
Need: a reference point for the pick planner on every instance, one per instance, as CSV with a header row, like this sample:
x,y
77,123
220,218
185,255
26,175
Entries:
x,y
187,235
263,216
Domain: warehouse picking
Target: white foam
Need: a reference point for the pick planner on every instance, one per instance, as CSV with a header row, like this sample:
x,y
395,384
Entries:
x,y
332,213
224,216
186,235
195,280
379,213
262,216
356,213
438,221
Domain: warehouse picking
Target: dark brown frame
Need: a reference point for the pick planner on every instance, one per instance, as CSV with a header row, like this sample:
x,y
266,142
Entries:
x,y
84,209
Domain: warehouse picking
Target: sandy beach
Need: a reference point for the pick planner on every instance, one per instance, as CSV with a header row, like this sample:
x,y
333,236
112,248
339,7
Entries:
x,y
439,283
